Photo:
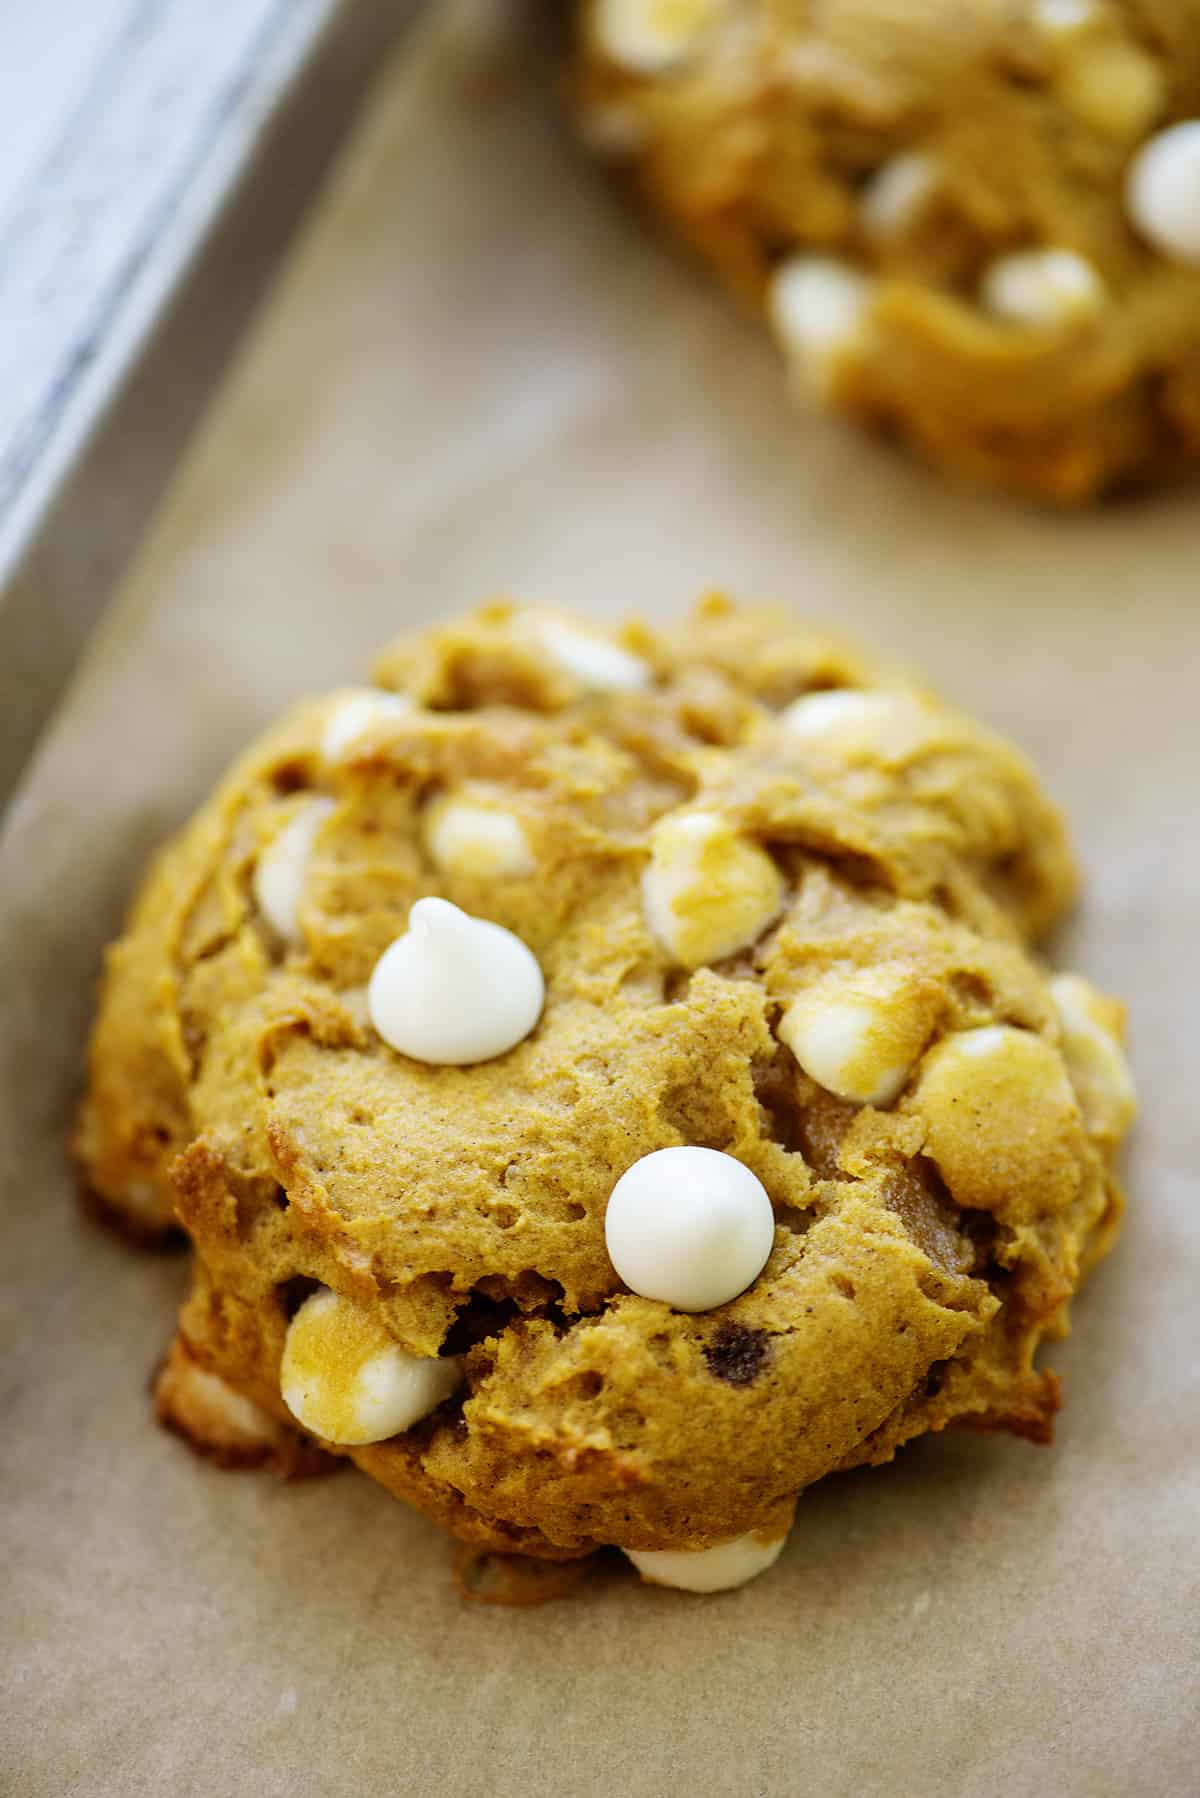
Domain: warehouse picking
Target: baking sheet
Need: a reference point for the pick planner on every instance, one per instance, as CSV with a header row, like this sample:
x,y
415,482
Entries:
x,y
479,375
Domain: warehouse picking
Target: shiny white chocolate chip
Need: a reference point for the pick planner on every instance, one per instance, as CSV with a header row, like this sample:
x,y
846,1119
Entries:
x,y
596,662
282,871
816,306
454,989
476,842
857,1035
1162,191
894,196
1042,287
344,1378
1094,1056
692,1227
708,1569
849,722
355,714
1117,89
649,36
708,891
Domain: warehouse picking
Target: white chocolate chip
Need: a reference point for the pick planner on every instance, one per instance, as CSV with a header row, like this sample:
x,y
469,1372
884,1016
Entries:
x,y
858,1035
817,306
708,1569
454,989
347,1381
596,662
1095,1059
1063,18
282,871
206,1409
850,723
1162,192
1001,1120
469,841
896,193
650,36
235,1414
209,1411
691,1227
1042,288
1116,88
708,891
356,714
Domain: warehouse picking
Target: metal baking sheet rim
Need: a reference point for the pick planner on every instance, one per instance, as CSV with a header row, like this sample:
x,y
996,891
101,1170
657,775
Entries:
x,y
44,503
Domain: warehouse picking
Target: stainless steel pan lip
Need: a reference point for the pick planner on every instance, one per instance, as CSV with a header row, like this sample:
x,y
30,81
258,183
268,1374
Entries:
x,y
78,487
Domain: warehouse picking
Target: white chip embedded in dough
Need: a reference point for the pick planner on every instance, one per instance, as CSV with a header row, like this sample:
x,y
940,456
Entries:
x,y
692,1227
817,306
708,890
348,1382
896,193
858,1034
1094,1055
1116,88
846,721
1063,18
649,37
595,661
467,840
355,714
1042,288
282,870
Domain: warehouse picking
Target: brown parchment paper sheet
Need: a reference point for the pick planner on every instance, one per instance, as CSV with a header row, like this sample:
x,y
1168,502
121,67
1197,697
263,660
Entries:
x,y
480,375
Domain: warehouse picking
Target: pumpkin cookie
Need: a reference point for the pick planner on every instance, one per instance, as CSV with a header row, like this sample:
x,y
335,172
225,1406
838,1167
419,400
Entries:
x,y
607,1084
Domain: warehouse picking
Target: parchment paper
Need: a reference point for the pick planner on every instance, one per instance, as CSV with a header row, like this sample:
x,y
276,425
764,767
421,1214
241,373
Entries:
x,y
480,375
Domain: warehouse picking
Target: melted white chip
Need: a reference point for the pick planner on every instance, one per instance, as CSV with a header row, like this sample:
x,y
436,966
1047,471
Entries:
x,y
649,36
1117,89
896,193
354,715
708,1569
480,842
594,661
1162,191
816,305
691,1227
708,890
1042,287
235,1412
857,1035
344,1379
1094,1055
454,989
282,871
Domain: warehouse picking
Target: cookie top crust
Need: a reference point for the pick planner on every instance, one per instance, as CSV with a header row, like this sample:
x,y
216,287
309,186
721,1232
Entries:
x,y
782,901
